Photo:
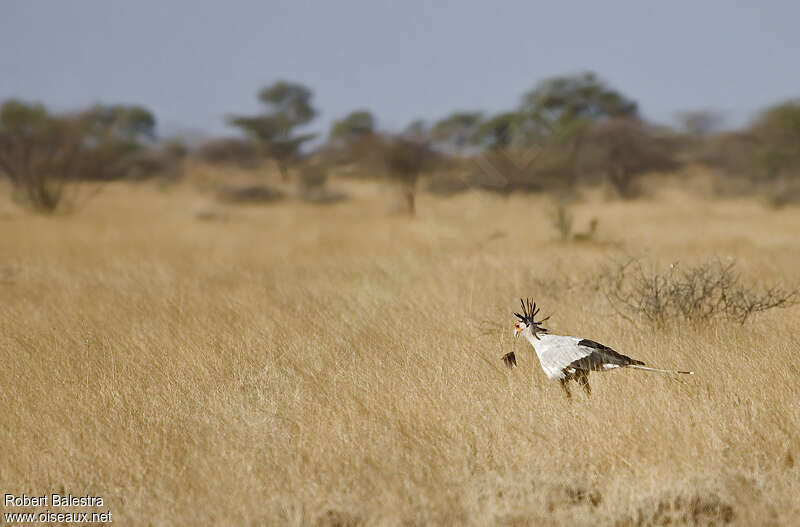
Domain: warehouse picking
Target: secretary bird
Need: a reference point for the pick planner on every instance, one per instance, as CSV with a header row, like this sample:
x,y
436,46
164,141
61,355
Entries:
x,y
569,358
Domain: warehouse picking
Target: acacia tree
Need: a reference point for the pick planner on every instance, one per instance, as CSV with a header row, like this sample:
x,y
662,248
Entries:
x,y
288,107
559,101
403,157
456,130
41,153
499,131
701,123
778,132
124,135
353,127
559,111
29,143
121,123
406,159
417,131
625,149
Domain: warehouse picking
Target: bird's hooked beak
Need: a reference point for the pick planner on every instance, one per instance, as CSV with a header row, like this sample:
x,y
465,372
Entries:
x,y
517,330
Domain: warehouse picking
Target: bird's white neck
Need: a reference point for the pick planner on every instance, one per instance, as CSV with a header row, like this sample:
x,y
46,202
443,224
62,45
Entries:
x,y
533,340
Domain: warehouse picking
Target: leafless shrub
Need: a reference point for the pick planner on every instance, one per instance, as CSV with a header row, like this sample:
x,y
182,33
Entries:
x,y
702,122
447,183
783,193
46,163
697,509
46,156
338,518
9,273
505,171
312,177
167,161
731,154
230,151
587,235
404,160
695,293
563,222
568,495
211,214
623,150
249,194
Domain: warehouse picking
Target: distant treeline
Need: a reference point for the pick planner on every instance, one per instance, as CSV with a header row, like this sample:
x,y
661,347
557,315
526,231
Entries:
x,y
567,131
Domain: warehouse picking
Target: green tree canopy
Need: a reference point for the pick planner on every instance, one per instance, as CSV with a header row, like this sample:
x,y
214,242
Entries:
x,y
288,106
702,122
778,132
290,101
406,157
456,129
557,103
499,131
417,131
20,118
119,122
42,153
625,149
356,125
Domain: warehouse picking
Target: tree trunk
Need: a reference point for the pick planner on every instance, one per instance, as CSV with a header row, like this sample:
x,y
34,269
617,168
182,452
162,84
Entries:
x,y
410,198
284,170
620,180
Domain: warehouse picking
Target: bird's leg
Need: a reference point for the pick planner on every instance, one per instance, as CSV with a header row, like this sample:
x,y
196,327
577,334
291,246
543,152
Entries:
x,y
583,380
566,388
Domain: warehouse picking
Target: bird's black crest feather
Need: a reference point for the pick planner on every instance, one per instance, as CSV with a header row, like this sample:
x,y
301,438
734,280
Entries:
x,y
529,312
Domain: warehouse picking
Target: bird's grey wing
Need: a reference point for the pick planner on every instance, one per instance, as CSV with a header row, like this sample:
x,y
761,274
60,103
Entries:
x,y
600,356
558,352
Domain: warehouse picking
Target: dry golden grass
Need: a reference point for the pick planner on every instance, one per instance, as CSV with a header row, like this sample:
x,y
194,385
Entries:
x,y
293,365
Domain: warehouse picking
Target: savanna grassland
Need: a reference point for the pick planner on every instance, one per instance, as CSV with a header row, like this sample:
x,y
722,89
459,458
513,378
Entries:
x,y
293,364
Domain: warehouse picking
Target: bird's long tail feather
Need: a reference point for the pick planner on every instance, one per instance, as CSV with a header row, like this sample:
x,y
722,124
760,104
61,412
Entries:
x,y
645,368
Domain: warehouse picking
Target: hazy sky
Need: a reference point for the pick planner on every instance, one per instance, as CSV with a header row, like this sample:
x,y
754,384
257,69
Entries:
x,y
192,62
